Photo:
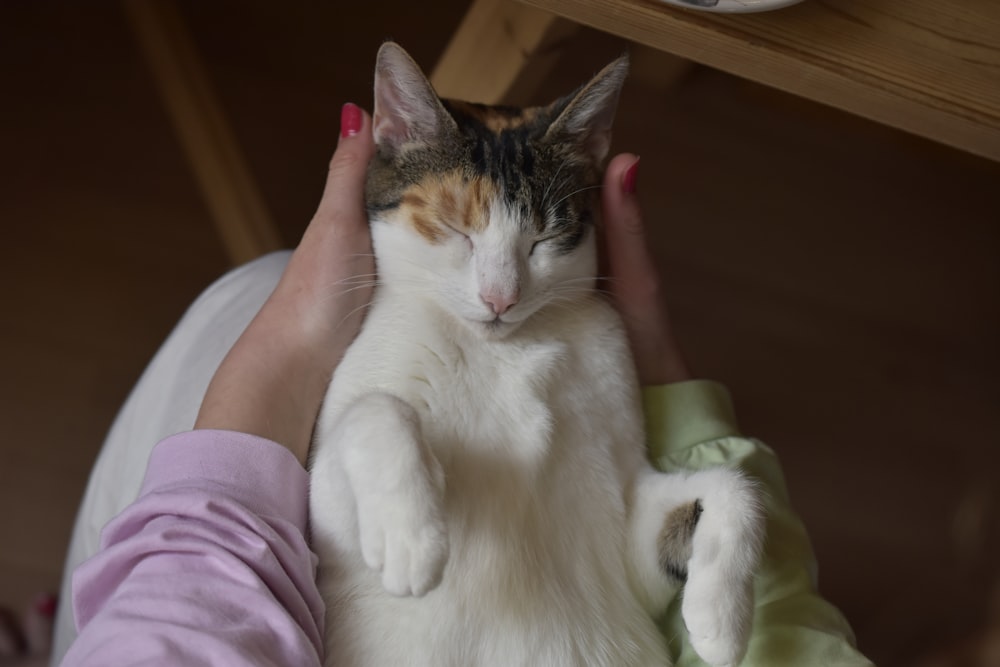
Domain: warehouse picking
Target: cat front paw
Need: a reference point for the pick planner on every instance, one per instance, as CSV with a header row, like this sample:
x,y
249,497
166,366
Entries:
x,y
718,603
404,537
718,616
410,555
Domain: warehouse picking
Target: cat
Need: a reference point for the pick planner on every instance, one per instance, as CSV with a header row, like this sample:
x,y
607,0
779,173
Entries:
x,y
480,491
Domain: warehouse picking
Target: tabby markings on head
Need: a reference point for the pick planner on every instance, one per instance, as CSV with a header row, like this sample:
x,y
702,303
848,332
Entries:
x,y
440,201
497,155
447,163
544,183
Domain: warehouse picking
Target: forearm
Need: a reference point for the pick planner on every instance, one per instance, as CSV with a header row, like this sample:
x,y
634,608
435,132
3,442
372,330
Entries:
x,y
271,383
211,560
691,426
274,378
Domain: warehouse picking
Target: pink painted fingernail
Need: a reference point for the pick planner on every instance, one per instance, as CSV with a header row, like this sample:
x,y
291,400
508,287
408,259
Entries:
x,y
629,179
45,604
350,120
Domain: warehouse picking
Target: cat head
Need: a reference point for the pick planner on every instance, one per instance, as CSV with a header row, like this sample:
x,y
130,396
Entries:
x,y
488,210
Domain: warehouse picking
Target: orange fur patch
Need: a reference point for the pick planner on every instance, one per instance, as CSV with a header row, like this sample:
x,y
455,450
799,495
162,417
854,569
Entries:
x,y
495,120
446,203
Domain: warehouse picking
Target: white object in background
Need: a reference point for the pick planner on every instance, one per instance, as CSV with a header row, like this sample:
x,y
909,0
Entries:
x,y
732,6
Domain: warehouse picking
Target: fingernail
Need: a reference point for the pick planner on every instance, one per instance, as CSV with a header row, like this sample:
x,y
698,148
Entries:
x,y
629,179
350,120
45,604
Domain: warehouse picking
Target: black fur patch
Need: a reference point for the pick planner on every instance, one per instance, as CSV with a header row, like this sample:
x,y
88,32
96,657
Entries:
x,y
675,539
550,186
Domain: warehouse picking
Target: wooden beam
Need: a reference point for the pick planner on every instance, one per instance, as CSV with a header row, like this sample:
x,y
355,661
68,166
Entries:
x,y
925,66
220,169
498,43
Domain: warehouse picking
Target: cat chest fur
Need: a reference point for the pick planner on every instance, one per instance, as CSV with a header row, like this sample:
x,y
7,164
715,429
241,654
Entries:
x,y
480,494
503,415
528,432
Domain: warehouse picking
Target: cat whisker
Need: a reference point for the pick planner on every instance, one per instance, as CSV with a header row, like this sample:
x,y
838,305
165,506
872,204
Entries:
x,y
423,267
548,188
348,316
557,220
355,279
570,295
344,292
359,279
578,191
562,303
366,284
581,279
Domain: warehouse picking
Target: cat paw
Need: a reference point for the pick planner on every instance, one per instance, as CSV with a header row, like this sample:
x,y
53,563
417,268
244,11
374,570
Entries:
x,y
403,536
411,559
718,616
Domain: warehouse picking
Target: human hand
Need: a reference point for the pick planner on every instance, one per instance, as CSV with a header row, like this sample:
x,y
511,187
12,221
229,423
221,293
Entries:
x,y
330,276
634,281
274,378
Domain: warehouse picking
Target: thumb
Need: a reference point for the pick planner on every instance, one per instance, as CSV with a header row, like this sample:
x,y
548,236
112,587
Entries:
x,y
336,246
634,277
343,196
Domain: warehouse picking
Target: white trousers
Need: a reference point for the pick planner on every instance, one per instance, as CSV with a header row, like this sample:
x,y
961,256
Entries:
x,y
164,401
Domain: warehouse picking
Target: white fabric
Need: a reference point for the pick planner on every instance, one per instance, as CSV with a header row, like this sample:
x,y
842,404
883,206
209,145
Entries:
x,y
165,401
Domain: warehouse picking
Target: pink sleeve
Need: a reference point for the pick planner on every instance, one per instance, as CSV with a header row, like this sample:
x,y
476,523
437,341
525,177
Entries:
x,y
209,566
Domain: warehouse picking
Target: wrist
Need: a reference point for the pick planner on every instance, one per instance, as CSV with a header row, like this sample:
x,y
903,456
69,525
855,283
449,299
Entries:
x,y
271,383
658,355
323,295
667,372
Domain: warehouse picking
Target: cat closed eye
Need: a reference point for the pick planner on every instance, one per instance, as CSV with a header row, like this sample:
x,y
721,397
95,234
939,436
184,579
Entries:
x,y
535,245
457,233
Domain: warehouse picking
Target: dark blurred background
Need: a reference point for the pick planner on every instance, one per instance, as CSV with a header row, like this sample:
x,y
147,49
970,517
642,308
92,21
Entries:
x,y
840,277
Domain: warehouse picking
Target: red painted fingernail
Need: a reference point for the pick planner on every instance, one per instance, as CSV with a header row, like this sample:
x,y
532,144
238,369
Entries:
x,y
350,120
45,604
629,179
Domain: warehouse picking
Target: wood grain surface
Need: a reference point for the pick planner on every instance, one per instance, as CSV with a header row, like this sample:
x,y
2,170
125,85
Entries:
x,y
925,66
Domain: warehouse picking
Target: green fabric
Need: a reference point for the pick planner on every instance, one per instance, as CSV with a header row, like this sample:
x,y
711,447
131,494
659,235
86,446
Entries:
x,y
691,426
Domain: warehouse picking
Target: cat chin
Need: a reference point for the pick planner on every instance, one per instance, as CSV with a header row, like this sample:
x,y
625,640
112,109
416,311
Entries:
x,y
492,329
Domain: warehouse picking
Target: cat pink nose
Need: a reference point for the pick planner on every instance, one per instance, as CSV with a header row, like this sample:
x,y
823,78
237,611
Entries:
x,y
500,303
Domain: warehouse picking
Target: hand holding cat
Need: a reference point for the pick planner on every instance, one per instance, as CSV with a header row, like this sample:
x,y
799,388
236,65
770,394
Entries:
x,y
273,380
635,282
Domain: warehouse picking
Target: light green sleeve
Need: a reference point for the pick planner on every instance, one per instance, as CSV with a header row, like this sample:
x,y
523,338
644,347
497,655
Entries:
x,y
691,425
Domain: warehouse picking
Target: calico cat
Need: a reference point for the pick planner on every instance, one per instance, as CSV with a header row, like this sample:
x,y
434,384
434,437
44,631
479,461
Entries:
x,y
480,491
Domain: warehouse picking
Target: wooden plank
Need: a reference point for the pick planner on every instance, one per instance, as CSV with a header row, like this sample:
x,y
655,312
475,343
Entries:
x,y
225,180
492,48
925,66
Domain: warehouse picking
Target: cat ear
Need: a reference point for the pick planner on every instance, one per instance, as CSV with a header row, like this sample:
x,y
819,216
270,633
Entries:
x,y
587,117
407,110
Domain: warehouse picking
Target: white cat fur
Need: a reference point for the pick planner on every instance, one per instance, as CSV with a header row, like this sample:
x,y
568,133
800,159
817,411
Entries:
x,y
481,494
